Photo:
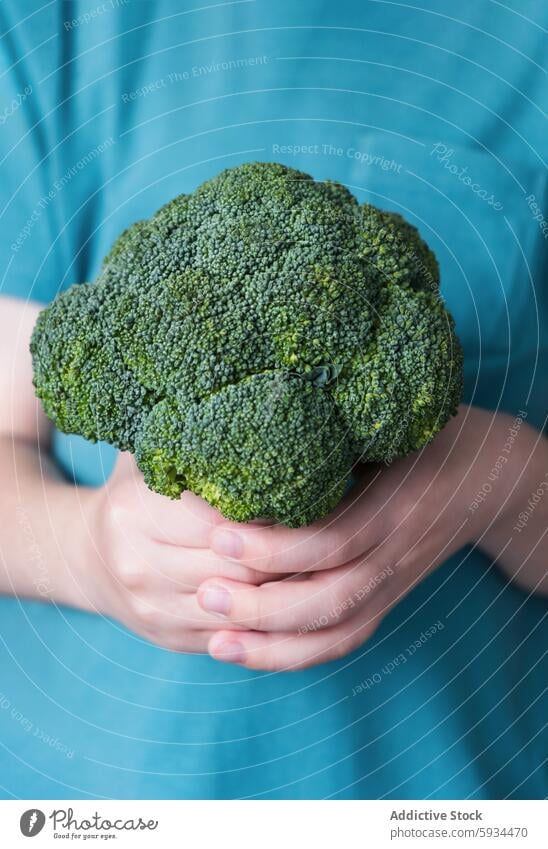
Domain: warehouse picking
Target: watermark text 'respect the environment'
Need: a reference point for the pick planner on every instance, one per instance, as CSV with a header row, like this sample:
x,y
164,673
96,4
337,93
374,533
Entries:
x,y
56,187
193,73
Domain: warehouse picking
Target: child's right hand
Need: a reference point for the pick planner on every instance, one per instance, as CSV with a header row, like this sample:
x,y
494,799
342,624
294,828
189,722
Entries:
x,y
151,555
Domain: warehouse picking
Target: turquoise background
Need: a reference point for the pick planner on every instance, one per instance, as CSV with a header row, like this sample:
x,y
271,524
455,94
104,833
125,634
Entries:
x,y
114,716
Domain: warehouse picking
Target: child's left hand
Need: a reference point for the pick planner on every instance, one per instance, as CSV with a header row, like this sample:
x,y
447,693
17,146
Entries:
x,y
351,568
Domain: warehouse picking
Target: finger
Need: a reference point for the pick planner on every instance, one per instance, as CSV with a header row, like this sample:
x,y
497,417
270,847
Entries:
x,y
176,614
185,569
188,642
289,652
321,601
179,569
125,466
339,538
186,521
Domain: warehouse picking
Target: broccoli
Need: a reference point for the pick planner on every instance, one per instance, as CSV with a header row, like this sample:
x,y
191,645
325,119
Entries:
x,y
254,341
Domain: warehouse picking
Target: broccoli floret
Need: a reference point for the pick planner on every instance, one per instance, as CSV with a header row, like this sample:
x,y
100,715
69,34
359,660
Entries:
x,y
395,249
269,445
400,390
79,373
253,341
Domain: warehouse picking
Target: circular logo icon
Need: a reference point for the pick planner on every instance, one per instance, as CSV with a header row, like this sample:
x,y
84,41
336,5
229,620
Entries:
x,y
32,822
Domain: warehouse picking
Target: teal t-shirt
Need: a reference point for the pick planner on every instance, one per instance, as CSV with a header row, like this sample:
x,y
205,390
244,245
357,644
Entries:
x,y
109,110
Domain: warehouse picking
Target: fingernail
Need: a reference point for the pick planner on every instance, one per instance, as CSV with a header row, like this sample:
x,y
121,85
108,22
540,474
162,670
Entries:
x,y
228,544
216,600
231,652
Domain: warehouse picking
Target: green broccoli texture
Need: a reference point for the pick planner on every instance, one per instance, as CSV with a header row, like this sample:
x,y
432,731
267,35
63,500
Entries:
x,y
252,342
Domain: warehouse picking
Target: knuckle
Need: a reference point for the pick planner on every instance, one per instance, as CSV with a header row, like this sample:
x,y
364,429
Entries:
x,y
131,575
317,617
350,545
332,547
252,576
144,613
337,546
408,503
265,561
380,574
253,607
335,605
266,556
181,643
119,511
268,661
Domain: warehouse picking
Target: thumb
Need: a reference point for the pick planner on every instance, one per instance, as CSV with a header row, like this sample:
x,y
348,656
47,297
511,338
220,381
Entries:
x,y
126,467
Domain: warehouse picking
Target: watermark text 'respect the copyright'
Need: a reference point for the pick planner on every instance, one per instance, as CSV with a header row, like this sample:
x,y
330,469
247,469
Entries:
x,y
364,157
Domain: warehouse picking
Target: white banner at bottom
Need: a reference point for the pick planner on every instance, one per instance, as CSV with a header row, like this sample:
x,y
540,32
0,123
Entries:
x,y
276,824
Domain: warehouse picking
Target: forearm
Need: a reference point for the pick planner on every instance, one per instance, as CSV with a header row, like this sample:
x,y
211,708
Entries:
x,y
45,544
517,538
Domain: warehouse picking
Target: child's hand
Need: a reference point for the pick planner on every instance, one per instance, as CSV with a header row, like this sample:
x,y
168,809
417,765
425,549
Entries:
x,y
395,527
151,554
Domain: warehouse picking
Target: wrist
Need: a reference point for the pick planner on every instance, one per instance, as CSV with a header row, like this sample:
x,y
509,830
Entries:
x,y
80,565
509,470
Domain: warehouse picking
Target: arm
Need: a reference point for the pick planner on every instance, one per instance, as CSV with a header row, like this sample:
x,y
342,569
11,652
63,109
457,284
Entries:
x,y
518,536
37,509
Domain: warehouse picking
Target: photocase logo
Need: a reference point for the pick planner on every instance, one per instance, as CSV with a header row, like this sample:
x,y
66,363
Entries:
x,y
32,822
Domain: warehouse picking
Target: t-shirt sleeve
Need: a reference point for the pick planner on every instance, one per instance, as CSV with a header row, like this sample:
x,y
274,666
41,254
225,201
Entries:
x,y
50,158
30,257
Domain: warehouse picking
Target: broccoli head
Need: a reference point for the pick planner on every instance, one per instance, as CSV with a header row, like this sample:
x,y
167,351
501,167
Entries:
x,y
254,341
